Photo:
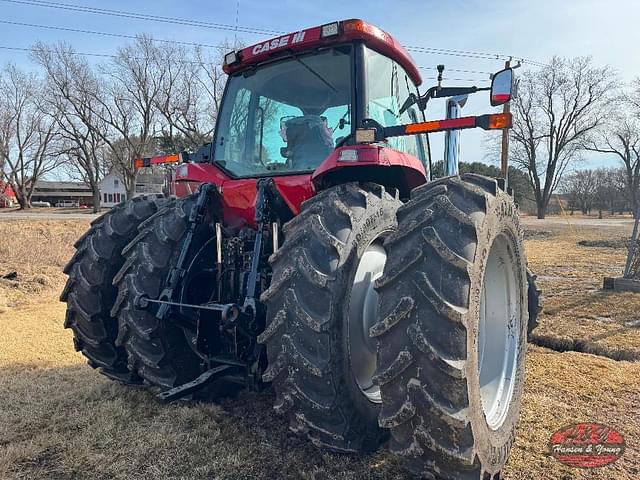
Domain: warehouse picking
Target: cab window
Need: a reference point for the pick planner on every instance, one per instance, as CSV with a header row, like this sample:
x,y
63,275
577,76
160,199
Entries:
x,y
389,86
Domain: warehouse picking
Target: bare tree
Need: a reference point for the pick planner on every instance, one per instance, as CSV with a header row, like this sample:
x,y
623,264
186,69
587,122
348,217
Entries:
x,y
128,106
71,102
183,99
634,96
212,78
556,110
581,187
26,133
622,139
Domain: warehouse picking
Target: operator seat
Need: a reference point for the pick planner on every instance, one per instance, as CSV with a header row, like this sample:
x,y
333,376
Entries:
x,y
309,142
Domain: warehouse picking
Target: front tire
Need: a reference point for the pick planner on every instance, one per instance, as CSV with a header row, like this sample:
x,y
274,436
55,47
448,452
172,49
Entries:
x,y
453,329
320,305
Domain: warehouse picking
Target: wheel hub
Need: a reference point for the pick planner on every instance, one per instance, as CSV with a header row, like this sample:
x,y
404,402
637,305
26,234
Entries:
x,y
498,333
363,314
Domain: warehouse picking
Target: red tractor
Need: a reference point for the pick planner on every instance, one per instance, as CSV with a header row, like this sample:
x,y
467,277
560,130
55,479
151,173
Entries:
x,y
306,247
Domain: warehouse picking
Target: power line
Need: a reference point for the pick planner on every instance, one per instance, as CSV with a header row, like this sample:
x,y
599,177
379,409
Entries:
x,y
252,30
91,54
31,50
142,16
460,71
108,55
106,34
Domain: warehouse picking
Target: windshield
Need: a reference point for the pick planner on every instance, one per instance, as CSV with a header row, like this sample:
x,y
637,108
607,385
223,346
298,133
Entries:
x,y
286,117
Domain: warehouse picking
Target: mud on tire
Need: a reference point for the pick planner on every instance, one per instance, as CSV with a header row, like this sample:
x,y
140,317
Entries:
x,y
307,303
89,292
159,351
450,233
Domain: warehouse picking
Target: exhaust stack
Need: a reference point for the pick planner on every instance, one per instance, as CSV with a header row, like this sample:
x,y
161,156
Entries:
x,y
452,137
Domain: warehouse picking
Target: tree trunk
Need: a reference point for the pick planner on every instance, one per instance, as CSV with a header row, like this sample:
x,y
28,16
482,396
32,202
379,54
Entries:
x,y
96,200
541,208
23,199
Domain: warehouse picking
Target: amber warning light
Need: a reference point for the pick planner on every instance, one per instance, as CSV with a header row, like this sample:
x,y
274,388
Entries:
x,y
494,121
147,162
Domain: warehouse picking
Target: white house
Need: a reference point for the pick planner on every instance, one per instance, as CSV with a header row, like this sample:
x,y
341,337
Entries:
x,y
112,191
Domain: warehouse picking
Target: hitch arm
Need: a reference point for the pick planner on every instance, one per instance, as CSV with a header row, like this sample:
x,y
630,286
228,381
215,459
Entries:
x,y
196,216
199,383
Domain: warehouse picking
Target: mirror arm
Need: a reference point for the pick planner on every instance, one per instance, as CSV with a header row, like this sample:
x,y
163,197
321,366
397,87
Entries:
x,y
455,91
424,99
443,92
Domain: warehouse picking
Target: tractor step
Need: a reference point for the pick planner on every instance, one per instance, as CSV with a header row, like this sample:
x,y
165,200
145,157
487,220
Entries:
x,y
199,383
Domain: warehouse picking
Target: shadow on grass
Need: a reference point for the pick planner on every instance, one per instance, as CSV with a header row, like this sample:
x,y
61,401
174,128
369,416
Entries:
x,y
71,422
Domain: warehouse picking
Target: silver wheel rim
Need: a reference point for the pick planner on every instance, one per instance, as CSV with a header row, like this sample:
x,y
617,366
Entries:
x,y
498,333
363,313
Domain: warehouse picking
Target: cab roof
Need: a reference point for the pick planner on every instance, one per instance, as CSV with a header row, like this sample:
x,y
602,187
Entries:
x,y
323,35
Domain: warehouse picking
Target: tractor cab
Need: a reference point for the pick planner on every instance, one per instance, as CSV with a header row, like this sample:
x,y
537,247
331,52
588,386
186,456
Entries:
x,y
320,107
291,101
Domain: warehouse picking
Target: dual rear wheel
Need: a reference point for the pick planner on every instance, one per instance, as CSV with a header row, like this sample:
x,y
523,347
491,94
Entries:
x,y
409,319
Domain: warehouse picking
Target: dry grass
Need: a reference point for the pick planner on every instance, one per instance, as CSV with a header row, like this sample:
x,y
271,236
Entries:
x,y
60,419
37,251
577,312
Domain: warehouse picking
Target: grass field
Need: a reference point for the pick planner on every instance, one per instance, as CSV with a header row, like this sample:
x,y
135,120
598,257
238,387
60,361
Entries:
x,y
60,419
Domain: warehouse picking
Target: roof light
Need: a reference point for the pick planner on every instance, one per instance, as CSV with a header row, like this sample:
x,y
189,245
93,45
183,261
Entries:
x,y
348,155
362,26
329,30
365,135
231,58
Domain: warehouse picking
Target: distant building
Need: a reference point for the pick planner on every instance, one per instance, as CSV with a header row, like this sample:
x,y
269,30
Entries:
x,y
152,180
59,192
112,190
7,196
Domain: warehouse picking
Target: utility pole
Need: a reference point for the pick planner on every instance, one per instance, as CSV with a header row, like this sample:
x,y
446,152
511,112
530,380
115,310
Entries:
x,y
504,156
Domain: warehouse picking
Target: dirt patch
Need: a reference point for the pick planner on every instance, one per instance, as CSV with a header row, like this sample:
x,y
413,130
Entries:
x,y
605,243
530,234
568,344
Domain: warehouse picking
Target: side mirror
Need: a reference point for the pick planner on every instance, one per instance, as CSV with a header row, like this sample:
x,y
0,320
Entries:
x,y
501,87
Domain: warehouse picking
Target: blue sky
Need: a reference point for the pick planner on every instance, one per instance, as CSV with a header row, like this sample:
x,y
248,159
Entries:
x,y
606,30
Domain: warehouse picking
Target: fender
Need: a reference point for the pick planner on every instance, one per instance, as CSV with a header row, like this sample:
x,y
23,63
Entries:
x,y
189,176
373,163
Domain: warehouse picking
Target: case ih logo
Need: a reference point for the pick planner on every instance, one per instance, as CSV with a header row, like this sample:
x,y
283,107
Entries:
x,y
277,43
587,445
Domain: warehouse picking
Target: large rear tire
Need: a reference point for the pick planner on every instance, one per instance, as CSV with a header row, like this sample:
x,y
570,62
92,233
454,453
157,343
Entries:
x,y
159,351
320,305
89,292
453,329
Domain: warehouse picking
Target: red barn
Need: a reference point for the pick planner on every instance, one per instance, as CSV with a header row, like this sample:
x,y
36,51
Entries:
x,y
7,196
